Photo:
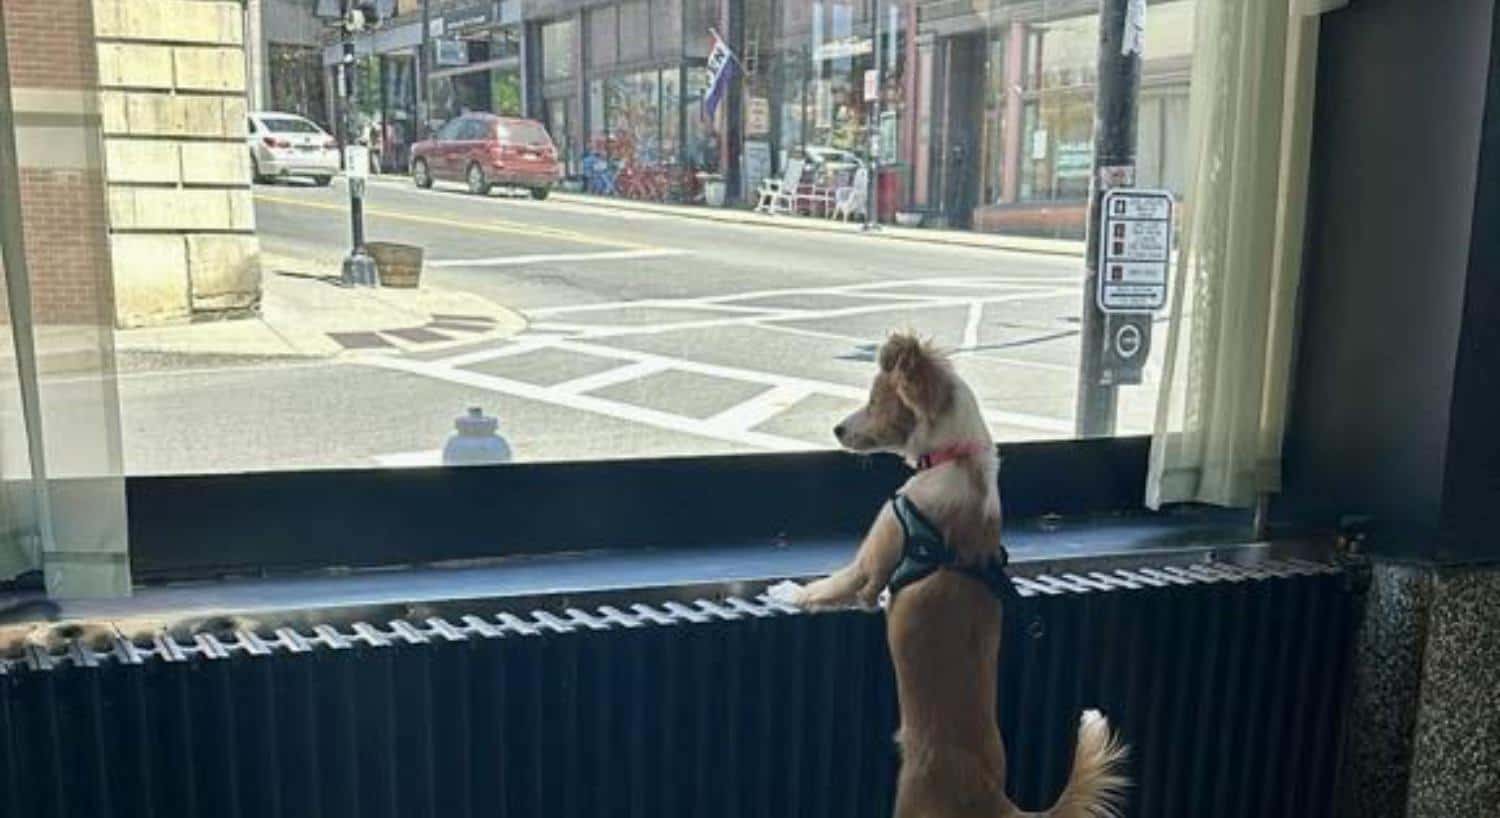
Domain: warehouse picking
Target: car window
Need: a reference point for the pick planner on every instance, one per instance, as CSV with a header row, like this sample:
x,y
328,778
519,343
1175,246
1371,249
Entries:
x,y
286,124
475,129
524,133
250,125
450,130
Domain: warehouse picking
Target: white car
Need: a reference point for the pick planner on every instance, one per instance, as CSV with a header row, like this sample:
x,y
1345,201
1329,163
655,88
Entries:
x,y
283,145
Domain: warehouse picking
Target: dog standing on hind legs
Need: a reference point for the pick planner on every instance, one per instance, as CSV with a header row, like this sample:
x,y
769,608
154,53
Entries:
x,y
936,546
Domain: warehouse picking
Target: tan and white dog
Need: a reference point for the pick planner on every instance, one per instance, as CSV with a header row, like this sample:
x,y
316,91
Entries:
x,y
944,629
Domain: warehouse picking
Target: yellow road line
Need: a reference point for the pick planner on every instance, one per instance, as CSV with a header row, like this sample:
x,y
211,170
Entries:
x,y
486,226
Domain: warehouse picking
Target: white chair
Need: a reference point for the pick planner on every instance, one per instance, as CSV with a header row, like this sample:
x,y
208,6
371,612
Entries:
x,y
853,199
777,194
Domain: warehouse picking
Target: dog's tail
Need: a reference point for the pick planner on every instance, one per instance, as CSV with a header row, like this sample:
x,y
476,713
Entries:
x,y
1096,788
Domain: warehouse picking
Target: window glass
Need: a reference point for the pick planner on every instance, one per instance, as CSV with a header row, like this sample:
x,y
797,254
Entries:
x,y
590,331
286,124
698,16
635,30
666,27
558,44
603,36
633,110
522,132
476,129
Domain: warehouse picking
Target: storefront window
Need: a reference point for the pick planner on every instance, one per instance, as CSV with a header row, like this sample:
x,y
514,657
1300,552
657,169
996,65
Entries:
x,y
557,49
671,101
700,143
666,27
603,37
633,110
635,30
596,124
505,92
698,16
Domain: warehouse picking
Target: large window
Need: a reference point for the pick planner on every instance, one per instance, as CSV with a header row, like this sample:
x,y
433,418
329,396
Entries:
x,y
635,30
558,43
587,331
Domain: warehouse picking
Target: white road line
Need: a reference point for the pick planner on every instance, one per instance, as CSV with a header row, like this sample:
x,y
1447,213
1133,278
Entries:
x,y
1042,423
610,377
971,329
760,408
727,301
525,344
546,258
615,330
962,353
585,403
583,346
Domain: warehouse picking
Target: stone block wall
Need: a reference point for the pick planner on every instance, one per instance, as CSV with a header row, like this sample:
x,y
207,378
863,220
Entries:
x,y
172,83
1424,721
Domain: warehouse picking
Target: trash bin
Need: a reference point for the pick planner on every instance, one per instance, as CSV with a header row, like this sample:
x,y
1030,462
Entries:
x,y
400,265
888,191
713,189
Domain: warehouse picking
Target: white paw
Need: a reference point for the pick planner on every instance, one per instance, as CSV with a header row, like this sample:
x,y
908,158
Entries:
x,y
787,593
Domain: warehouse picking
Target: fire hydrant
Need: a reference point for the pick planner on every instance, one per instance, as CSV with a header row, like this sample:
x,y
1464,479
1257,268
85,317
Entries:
x,y
475,441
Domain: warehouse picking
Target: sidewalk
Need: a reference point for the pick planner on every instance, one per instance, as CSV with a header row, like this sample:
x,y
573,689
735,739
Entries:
x,y
959,238
305,313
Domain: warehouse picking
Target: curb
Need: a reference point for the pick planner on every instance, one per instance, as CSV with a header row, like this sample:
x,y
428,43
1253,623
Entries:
x,y
1062,248
1050,247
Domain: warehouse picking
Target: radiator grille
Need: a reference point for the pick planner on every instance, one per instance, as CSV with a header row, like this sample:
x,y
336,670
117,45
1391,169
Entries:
x,y
1226,681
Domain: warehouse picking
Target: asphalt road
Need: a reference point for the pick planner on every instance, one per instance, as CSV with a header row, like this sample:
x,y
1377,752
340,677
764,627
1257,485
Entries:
x,y
650,334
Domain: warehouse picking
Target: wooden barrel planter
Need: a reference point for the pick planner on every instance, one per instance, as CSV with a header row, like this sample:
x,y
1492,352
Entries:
x,y
400,265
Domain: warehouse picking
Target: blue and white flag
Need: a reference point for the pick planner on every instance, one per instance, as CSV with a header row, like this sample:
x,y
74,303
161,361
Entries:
x,y
722,64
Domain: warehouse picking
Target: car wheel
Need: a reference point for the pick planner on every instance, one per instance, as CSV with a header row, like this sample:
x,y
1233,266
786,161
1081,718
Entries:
x,y
477,183
420,175
540,193
323,181
255,175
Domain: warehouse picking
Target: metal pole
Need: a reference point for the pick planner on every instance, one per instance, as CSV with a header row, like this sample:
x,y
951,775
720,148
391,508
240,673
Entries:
x,y
424,70
872,191
1119,84
359,268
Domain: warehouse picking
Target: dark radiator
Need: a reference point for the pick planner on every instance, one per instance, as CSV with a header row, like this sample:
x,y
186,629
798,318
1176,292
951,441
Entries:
x,y
1226,681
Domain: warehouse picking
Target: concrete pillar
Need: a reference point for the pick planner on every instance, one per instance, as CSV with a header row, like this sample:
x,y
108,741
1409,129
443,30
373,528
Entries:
x,y
258,80
922,144
1424,722
1014,79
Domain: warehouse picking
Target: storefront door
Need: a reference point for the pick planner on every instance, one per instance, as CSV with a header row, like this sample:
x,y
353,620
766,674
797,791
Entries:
x,y
558,127
959,151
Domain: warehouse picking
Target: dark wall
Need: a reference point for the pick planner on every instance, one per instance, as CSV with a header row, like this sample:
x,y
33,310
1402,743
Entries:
x,y
1471,494
1401,99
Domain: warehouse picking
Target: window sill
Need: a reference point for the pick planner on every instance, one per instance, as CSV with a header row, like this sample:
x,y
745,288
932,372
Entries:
x,y
560,580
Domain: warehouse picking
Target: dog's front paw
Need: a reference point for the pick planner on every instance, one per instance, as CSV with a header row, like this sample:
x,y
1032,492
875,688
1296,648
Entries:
x,y
788,593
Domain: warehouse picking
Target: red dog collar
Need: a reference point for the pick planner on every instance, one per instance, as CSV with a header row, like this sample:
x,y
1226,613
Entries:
x,y
955,451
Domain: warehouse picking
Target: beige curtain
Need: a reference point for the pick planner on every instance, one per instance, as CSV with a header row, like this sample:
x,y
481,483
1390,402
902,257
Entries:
x,y
1222,407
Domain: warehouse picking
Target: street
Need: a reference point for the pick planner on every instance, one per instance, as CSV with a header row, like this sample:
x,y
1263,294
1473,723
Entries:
x,y
648,334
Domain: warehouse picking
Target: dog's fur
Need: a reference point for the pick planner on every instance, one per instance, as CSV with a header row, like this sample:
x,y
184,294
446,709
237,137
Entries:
x,y
944,630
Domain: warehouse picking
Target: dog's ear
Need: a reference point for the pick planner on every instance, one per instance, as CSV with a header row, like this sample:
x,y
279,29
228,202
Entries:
x,y
919,372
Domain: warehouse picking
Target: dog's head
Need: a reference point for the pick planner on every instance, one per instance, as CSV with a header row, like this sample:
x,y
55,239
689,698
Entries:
x,y
912,393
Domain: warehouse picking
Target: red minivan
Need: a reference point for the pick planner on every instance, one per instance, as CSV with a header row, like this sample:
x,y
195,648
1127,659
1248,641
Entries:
x,y
483,150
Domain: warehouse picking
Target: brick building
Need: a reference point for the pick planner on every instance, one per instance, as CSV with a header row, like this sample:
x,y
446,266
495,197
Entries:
x,y
131,117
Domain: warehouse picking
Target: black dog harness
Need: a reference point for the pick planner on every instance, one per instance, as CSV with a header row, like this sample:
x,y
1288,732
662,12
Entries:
x,y
923,552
